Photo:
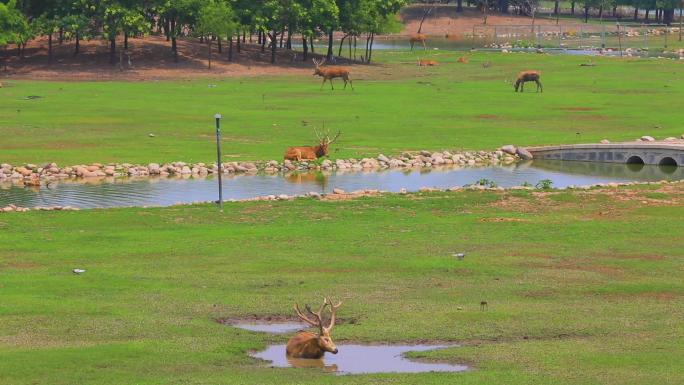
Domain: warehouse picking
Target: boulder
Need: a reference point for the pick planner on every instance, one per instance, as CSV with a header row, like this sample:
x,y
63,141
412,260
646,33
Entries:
x,y
509,149
338,191
524,154
605,141
383,158
647,138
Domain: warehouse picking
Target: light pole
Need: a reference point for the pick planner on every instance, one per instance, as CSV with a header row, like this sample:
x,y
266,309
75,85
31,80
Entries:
x,y
218,160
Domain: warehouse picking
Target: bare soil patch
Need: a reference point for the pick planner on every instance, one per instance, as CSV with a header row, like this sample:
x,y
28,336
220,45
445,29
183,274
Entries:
x,y
152,59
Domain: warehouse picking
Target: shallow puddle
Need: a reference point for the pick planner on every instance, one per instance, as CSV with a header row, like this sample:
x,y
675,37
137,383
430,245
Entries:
x,y
358,359
271,327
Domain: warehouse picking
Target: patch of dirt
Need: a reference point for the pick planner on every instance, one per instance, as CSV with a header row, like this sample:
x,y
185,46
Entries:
x,y
346,197
501,219
660,296
487,116
20,265
577,109
445,21
152,59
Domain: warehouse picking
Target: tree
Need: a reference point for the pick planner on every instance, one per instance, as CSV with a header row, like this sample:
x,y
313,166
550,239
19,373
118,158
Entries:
x,y
215,20
14,27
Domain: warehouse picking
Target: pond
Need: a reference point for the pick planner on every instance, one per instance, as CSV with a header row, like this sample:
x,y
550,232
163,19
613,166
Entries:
x,y
110,192
362,359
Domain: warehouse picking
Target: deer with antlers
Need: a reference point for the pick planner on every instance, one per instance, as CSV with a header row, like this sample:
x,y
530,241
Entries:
x,y
528,76
418,38
330,73
312,152
310,345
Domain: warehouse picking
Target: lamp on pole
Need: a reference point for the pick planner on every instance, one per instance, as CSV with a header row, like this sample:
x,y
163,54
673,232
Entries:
x,y
218,160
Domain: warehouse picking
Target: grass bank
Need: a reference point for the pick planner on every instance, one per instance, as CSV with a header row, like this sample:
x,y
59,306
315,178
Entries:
x,y
583,287
397,106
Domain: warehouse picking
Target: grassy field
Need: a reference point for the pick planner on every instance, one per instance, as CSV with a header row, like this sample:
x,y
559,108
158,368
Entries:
x,y
397,106
583,287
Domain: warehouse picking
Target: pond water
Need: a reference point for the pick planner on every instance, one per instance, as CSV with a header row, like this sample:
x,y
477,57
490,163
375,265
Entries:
x,y
362,359
104,192
270,327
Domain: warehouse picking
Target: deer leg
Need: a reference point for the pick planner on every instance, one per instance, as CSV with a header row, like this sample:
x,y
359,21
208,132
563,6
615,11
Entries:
x,y
322,84
412,46
331,85
424,46
522,87
539,86
351,84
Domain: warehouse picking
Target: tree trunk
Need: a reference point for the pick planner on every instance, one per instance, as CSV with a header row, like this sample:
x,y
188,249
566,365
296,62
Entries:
x,y
329,55
572,8
305,48
636,13
668,16
586,14
125,41
239,44
459,6
601,12
220,45
49,49
209,46
289,39
112,51
646,16
230,47
556,7
263,41
61,36
615,11
503,6
174,44
274,44
370,51
77,48
282,37
313,50
167,26
339,53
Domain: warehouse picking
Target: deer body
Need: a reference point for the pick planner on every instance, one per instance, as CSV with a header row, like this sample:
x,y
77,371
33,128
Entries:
x,y
528,76
330,73
418,38
427,63
310,345
312,152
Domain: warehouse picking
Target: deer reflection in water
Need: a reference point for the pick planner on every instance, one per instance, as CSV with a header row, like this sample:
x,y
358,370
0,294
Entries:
x,y
311,363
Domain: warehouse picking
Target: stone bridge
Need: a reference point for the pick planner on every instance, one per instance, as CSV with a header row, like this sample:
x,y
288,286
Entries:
x,y
657,153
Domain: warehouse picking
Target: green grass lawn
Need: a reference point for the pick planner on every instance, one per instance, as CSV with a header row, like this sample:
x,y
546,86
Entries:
x,y
397,106
583,287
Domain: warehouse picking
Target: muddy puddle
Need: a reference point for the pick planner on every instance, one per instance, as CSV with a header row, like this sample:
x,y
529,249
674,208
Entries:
x,y
362,359
351,359
270,327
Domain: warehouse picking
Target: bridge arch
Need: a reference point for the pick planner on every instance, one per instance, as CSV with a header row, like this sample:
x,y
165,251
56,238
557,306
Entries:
x,y
667,161
635,159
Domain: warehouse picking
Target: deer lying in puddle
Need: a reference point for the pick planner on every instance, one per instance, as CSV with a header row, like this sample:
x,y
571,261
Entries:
x,y
312,152
307,344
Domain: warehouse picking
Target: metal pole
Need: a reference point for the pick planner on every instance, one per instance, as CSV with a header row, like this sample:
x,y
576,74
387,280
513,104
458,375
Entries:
x,y
680,20
218,160
619,39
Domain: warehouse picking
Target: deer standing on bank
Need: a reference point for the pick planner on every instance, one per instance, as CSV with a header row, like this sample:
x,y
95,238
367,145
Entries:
x,y
528,76
427,63
312,152
310,345
418,38
330,73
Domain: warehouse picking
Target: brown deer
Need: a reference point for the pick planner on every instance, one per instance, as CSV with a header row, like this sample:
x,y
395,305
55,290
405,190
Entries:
x,y
312,152
330,73
528,76
463,60
427,63
418,38
310,345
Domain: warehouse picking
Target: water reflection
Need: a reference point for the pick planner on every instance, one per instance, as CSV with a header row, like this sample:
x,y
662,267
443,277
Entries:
x,y
271,327
358,359
141,191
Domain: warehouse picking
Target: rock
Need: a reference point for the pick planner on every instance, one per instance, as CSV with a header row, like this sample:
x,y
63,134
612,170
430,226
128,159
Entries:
x,y
314,194
425,153
383,158
605,141
338,191
647,138
151,135
509,149
154,168
403,191
671,139
524,154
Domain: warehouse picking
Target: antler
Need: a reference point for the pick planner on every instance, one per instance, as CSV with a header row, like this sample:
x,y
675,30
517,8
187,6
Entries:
x,y
335,138
318,135
306,319
333,312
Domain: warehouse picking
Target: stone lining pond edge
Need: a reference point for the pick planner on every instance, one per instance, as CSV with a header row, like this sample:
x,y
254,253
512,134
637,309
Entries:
x,y
339,194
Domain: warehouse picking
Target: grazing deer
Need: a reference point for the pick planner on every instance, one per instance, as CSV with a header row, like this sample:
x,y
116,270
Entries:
x,y
307,344
528,76
418,38
330,73
312,152
463,59
484,305
427,63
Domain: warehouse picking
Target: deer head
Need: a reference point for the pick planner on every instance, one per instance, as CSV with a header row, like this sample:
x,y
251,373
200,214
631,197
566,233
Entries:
x,y
324,140
315,319
318,64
